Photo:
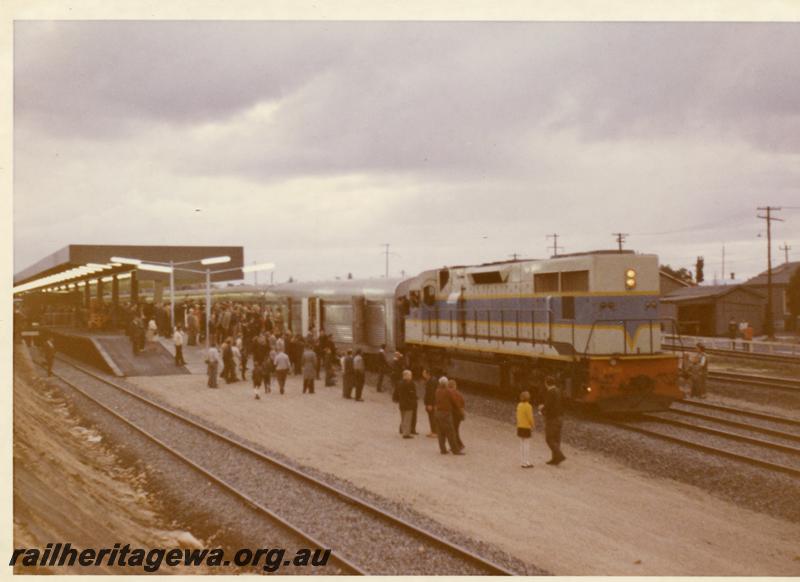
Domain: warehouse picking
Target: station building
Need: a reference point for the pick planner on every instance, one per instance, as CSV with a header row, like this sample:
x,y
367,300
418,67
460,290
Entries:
x,y
781,276
707,309
83,285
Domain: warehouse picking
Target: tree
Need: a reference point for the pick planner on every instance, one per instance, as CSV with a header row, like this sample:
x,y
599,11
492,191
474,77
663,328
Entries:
x,y
683,273
793,298
698,267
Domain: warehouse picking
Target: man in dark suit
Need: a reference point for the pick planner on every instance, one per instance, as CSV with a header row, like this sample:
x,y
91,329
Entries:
x,y
553,411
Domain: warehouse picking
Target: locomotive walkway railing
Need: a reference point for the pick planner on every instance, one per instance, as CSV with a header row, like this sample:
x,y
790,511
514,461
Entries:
x,y
477,324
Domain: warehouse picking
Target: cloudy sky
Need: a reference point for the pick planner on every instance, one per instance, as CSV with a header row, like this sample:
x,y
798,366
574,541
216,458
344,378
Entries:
x,y
313,143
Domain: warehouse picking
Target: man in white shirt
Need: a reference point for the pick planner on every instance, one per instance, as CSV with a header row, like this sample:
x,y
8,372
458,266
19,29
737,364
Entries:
x,y
212,362
177,338
282,366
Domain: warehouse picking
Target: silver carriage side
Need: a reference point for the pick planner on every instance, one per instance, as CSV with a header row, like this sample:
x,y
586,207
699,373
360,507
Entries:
x,y
357,313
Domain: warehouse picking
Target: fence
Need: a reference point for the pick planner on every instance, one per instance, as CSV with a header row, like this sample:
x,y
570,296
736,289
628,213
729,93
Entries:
x,y
727,344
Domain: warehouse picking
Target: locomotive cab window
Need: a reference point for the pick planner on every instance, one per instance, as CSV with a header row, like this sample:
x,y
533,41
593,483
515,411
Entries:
x,y
444,277
575,281
487,278
545,282
429,295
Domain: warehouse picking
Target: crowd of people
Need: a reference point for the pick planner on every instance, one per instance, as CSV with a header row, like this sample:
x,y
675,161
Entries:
x,y
253,339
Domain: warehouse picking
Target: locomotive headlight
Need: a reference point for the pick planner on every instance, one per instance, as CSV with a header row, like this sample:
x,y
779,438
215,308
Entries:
x,y
630,279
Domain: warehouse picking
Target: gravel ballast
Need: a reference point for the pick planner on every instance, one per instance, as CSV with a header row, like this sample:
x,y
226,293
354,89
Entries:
x,y
374,544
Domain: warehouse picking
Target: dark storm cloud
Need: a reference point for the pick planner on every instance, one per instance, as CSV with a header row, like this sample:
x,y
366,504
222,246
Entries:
x,y
457,142
411,96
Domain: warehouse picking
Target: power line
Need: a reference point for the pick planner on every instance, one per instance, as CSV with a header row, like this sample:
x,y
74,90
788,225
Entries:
x,y
554,236
768,327
387,259
785,248
620,236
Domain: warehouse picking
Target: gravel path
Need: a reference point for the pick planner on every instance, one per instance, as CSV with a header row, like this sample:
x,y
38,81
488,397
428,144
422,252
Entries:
x,y
375,544
752,487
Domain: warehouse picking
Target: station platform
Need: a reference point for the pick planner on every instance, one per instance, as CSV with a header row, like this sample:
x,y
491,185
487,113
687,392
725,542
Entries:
x,y
112,353
590,516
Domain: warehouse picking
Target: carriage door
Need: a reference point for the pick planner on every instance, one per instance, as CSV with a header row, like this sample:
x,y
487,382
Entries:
x,y
359,320
309,315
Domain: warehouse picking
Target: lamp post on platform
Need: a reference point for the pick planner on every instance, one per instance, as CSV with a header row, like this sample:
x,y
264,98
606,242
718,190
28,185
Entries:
x,y
172,266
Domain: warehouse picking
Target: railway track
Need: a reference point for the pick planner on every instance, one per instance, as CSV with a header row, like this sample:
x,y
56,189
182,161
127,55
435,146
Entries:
x,y
749,414
359,521
764,357
759,439
772,383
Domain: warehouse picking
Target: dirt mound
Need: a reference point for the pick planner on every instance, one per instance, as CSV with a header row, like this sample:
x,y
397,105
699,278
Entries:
x,y
69,486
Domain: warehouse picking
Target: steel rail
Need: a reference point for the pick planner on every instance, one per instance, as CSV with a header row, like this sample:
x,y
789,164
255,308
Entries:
x,y
348,565
707,449
723,433
732,410
460,551
730,422
768,382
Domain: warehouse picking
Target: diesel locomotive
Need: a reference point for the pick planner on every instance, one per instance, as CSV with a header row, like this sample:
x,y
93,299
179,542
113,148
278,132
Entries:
x,y
589,318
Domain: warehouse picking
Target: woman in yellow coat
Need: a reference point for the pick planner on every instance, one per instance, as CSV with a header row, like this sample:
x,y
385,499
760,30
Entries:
x,y
524,428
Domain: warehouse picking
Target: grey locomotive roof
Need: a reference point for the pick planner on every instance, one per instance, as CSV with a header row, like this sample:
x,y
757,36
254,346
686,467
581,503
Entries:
x,y
342,289
564,256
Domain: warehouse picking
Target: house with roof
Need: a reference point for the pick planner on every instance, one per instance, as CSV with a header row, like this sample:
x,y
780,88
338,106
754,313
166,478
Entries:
x,y
780,284
707,309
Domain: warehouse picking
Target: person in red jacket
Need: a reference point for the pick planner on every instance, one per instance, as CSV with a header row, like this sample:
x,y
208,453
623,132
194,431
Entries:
x,y
444,419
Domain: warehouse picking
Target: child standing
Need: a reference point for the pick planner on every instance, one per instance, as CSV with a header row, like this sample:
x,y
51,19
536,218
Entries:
x,y
524,428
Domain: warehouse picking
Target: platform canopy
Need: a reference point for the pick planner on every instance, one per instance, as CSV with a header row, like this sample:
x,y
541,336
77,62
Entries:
x,y
79,264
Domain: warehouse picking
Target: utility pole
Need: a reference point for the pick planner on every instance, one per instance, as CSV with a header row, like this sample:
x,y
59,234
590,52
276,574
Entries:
x,y
785,248
620,236
387,260
723,264
514,256
554,236
768,324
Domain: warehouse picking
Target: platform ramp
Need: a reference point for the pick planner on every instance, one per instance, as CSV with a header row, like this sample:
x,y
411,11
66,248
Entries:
x,y
154,360
112,353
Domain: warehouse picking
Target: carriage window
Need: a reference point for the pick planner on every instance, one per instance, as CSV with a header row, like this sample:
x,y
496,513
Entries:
x,y
444,277
545,282
575,281
567,308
